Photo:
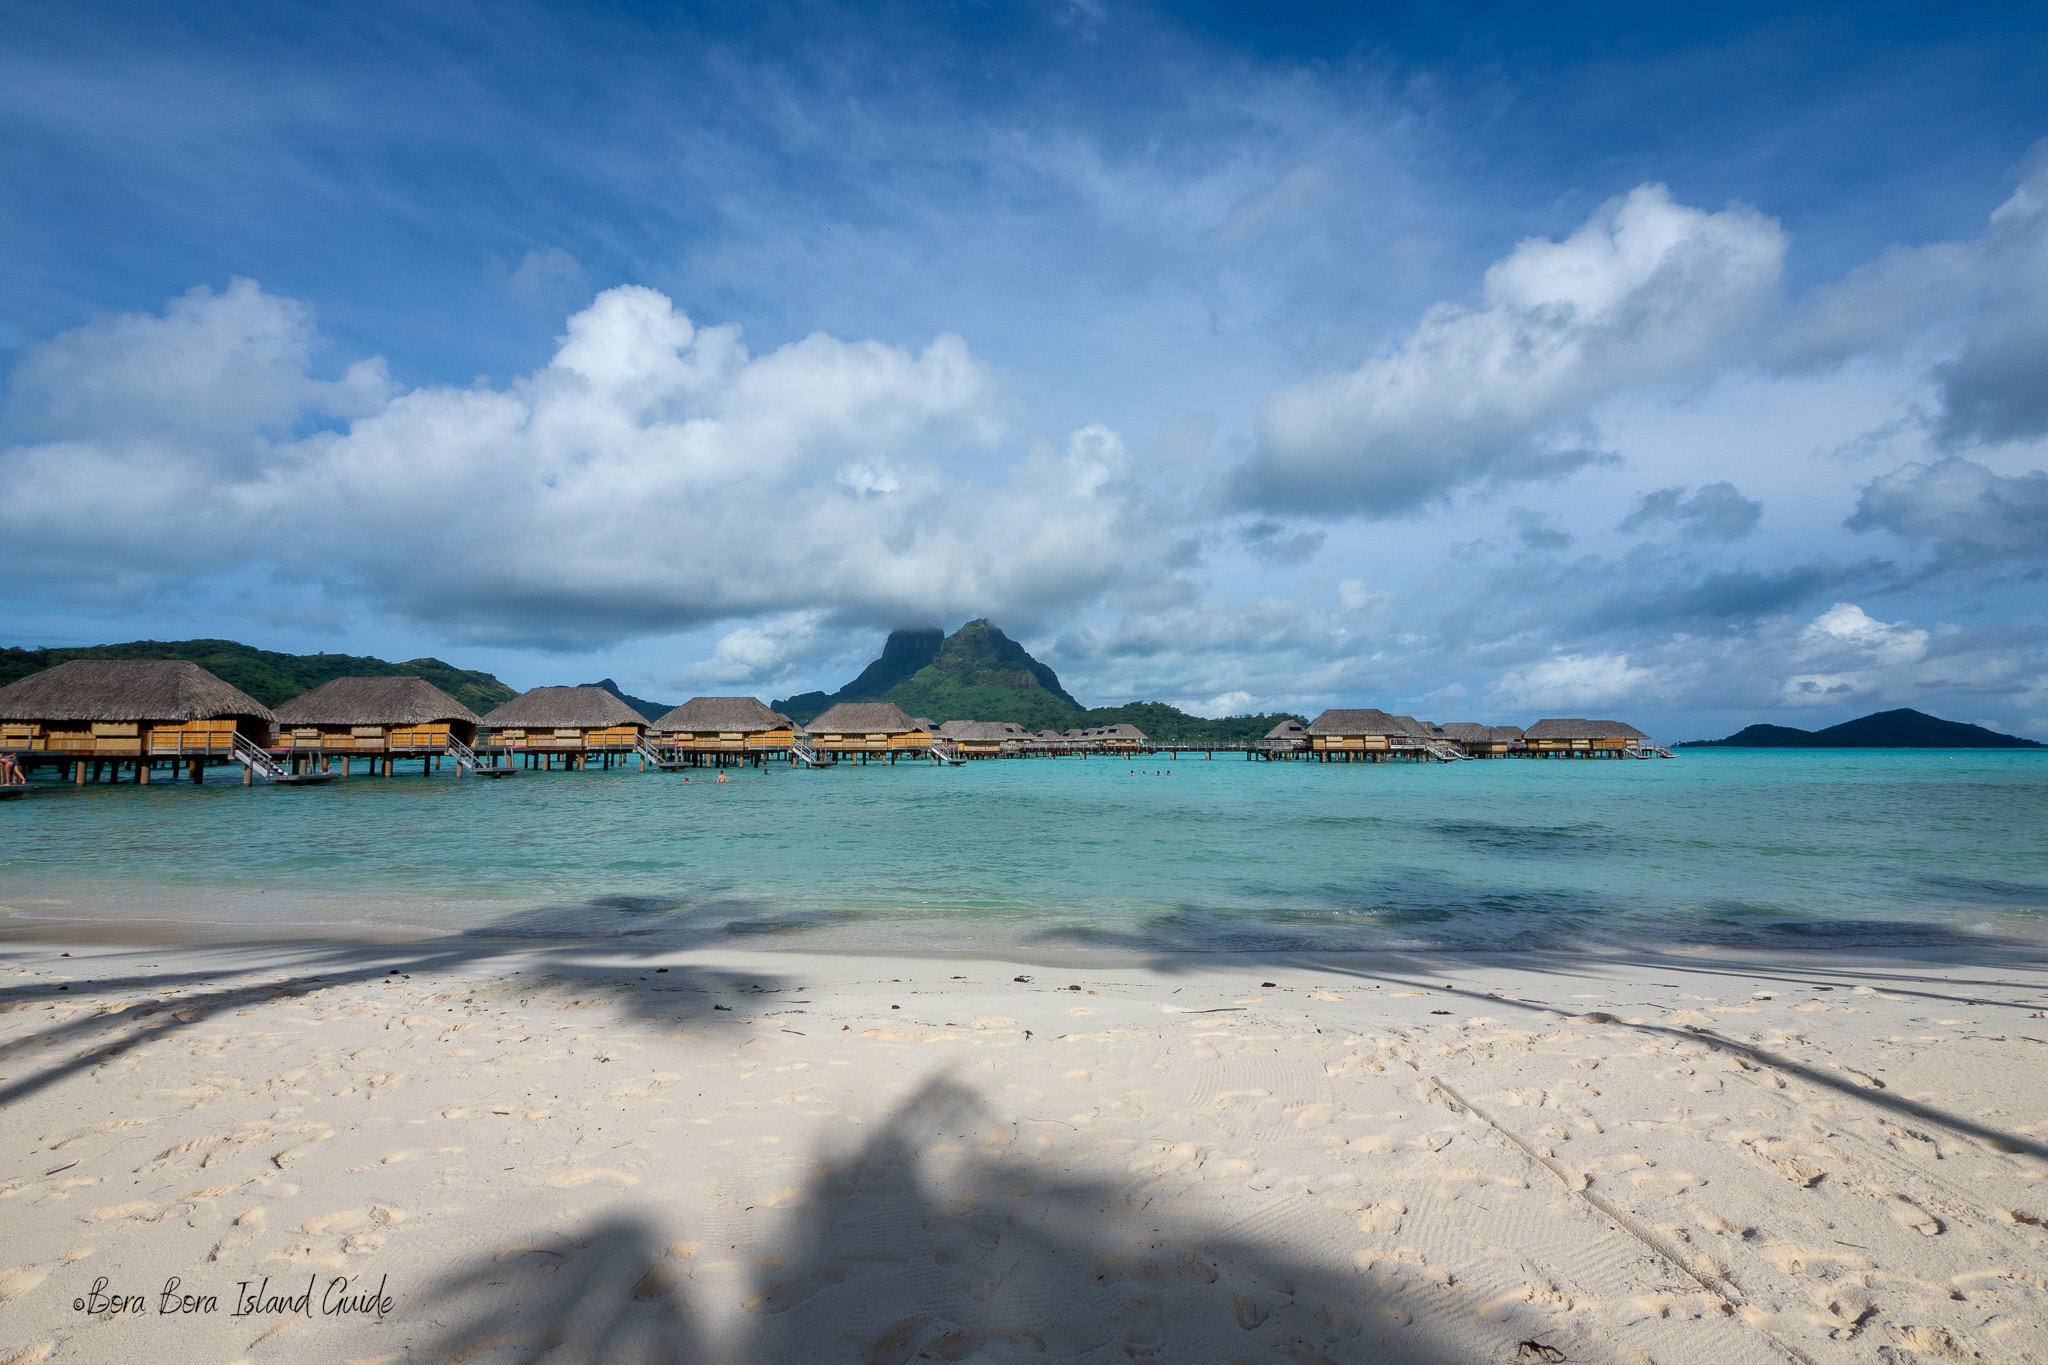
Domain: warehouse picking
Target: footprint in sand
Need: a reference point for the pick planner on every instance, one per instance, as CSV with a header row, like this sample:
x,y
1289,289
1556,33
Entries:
x,y
569,1180
113,1211
1383,1220
247,1227
1910,1215
19,1281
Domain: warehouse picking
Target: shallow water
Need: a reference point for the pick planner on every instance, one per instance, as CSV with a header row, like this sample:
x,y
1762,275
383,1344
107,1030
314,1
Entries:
x,y
1805,848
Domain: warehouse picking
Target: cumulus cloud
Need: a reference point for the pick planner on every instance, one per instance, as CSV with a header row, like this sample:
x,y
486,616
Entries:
x,y
1849,653
1715,512
1648,291
654,475
207,378
1974,516
1997,388
1576,682
761,655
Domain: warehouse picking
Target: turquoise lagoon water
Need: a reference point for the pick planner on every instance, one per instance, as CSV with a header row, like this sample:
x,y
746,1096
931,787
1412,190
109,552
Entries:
x,y
1796,848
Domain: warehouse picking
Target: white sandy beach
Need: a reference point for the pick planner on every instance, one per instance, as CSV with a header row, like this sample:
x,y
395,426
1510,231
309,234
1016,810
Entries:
x,y
511,1152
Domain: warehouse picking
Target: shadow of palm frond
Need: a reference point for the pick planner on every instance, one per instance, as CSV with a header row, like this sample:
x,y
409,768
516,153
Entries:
x,y
927,1243
137,1008
611,1294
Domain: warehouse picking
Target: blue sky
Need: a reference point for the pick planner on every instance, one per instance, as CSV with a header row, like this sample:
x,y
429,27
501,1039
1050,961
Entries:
x,y
1479,362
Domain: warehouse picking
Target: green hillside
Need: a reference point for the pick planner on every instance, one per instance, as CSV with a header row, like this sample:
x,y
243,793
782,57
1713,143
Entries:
x,y
269,677
653,710
1170,725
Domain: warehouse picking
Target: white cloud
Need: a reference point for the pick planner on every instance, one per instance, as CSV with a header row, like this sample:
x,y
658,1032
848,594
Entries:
x,y
1238,703
1648,291
653,475
1570,682
206,379
1851,654
1846,625
763,654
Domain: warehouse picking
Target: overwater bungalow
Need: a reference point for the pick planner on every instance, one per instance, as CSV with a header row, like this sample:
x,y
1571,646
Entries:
x,y
869,729
721,730
1288,737
1483,741
574,722
985,738
382,719
1580,738
1363,733
101,715
1119,738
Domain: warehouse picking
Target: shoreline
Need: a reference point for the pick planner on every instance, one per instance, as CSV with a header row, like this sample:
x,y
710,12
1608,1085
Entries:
x,y
738,1154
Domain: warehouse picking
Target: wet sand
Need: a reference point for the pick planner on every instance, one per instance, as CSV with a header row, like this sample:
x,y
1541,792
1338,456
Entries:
x,y
476,1150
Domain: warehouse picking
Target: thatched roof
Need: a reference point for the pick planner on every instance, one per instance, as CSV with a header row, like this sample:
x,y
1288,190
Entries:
x,y
1288,729
563,708
721,715
1580,728
1471,732
983,731
374,701
863,718
127,690
1367,720
923,722
1095,734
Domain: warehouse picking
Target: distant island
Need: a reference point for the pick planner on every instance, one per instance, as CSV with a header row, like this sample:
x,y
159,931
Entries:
x,y
1901,729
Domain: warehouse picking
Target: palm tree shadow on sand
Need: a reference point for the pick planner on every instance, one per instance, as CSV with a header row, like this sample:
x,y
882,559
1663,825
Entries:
x,y
926,1244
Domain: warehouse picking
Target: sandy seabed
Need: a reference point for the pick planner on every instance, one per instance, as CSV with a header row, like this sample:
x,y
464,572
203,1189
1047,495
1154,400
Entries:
x,y
466,1150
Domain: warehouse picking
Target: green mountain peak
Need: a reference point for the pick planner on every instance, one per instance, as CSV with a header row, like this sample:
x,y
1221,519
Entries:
x,y
979,673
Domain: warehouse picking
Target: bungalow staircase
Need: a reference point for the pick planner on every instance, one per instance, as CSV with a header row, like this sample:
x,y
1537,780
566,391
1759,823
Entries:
x,y
800,751
644,747
1649,751
1447,753
947,754
264,766
469,763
